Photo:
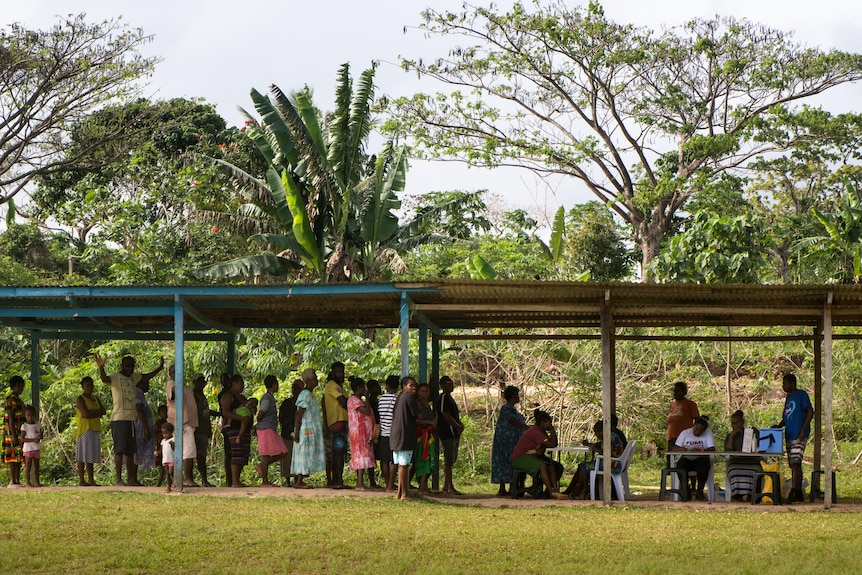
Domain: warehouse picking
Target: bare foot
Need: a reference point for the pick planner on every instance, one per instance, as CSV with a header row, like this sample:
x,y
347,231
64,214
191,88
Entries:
x,y
558,495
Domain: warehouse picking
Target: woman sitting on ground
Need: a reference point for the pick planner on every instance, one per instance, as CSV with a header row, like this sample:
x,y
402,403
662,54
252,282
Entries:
x,y
740,470
529,451
697,438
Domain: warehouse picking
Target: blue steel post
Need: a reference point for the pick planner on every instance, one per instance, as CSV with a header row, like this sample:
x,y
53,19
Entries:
x,y
179,380
34,370
405,334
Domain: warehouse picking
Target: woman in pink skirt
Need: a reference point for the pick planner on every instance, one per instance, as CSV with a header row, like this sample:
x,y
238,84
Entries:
x,y
269,442
360,422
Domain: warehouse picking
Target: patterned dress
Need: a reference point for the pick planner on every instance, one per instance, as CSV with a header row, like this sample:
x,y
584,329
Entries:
x,y
13,418
144,456
360,426
506,436
308,456
425,453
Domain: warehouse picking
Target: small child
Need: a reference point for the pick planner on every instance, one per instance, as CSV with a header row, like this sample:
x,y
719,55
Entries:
x,y
157,428
167,444
248,409
31,433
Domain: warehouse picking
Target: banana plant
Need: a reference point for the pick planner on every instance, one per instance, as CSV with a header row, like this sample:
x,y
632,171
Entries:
x,y
844,233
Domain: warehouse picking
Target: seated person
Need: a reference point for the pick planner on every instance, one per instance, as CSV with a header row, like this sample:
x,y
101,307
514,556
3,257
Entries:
x,y
578,488
740,470
697,438
528,454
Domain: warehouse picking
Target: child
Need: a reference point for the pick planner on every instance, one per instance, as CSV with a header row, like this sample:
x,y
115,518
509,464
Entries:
x,y
31,433
246,410
157,433
167,444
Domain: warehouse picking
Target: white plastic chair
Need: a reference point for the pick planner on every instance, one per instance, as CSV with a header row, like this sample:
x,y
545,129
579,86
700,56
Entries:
x,y
621,477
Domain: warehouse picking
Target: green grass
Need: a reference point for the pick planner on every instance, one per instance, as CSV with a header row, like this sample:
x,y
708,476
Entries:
x,y
78,531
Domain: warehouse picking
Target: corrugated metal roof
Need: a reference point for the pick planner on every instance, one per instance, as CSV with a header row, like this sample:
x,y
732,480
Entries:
x,y
443,304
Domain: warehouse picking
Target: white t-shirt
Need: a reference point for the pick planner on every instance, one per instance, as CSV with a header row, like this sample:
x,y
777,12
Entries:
x,y
29,431
167,451
691,442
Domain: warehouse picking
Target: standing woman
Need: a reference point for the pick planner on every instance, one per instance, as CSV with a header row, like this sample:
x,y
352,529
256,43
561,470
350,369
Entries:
x,y
510,426
13,419
231,400
360,423
308,454
683,412
88,449
425,453
269,442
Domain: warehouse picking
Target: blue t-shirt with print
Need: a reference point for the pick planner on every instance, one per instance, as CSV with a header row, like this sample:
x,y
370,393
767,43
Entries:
x,y
796,408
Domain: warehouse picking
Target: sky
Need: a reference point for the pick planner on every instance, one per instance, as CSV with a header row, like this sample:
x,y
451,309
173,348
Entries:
x,y
219,49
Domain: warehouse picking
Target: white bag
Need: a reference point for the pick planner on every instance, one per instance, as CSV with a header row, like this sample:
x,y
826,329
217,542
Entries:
x,y
749,440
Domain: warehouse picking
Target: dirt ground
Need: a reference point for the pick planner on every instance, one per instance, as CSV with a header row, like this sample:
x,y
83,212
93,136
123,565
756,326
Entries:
x,y
647,500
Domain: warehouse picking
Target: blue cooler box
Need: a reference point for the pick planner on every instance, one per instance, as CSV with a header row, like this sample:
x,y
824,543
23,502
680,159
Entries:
x,y
771,441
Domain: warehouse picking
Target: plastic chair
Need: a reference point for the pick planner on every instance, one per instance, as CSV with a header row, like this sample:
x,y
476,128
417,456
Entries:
x,y
620,477
678,485
519,479
710,479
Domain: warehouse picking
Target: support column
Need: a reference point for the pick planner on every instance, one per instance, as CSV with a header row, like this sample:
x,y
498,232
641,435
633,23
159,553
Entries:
x,y
818,396
827,400
179,380
231,353
608,392
35,372
405,335
423,353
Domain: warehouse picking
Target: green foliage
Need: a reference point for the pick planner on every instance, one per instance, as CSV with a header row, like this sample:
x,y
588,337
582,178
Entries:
x,y
595,245
49,81
647,120
713,249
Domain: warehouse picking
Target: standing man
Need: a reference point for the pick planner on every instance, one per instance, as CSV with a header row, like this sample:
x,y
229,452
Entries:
x,y
335,414
123,385
189,424
386,407
402,438
204,431
450,428
796,421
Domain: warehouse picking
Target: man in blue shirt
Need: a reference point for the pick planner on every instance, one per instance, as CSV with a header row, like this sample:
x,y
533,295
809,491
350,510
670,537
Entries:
x,y
796,421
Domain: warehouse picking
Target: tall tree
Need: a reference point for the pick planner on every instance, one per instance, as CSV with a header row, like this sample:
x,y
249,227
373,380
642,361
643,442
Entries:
x,y
324,201
646,120
49,81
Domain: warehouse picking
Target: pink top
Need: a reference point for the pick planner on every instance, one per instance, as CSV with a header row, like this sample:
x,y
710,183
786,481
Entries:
x,y
530,441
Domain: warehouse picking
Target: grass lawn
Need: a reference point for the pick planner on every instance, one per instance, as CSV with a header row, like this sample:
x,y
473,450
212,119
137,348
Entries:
x,y
79,531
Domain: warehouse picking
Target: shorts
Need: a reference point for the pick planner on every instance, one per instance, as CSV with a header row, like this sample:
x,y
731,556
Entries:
x,y
382,451
32,454
123,434
402,458
529,463
190,451
450,450
795,450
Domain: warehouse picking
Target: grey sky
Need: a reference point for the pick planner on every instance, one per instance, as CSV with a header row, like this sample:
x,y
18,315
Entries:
x,y
219,49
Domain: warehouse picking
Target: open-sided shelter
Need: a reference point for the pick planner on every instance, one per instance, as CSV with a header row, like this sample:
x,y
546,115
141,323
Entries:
x,y
448,309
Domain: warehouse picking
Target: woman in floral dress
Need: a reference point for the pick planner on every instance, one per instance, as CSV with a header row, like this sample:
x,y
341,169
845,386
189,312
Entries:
x,y
360,423
510,426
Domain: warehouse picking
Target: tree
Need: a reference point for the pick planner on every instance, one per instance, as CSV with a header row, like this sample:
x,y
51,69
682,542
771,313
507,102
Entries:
x,y
646,120
713,249
50,80
595,245
323,201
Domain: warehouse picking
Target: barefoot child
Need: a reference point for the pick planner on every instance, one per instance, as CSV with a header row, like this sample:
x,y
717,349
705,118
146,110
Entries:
x,y
157,432
31,432
167,444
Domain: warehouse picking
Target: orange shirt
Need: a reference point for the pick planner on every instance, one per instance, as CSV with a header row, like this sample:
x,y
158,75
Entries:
x,y
681,417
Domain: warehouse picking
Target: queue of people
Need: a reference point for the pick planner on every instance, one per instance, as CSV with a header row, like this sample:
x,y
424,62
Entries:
x,y
401,432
